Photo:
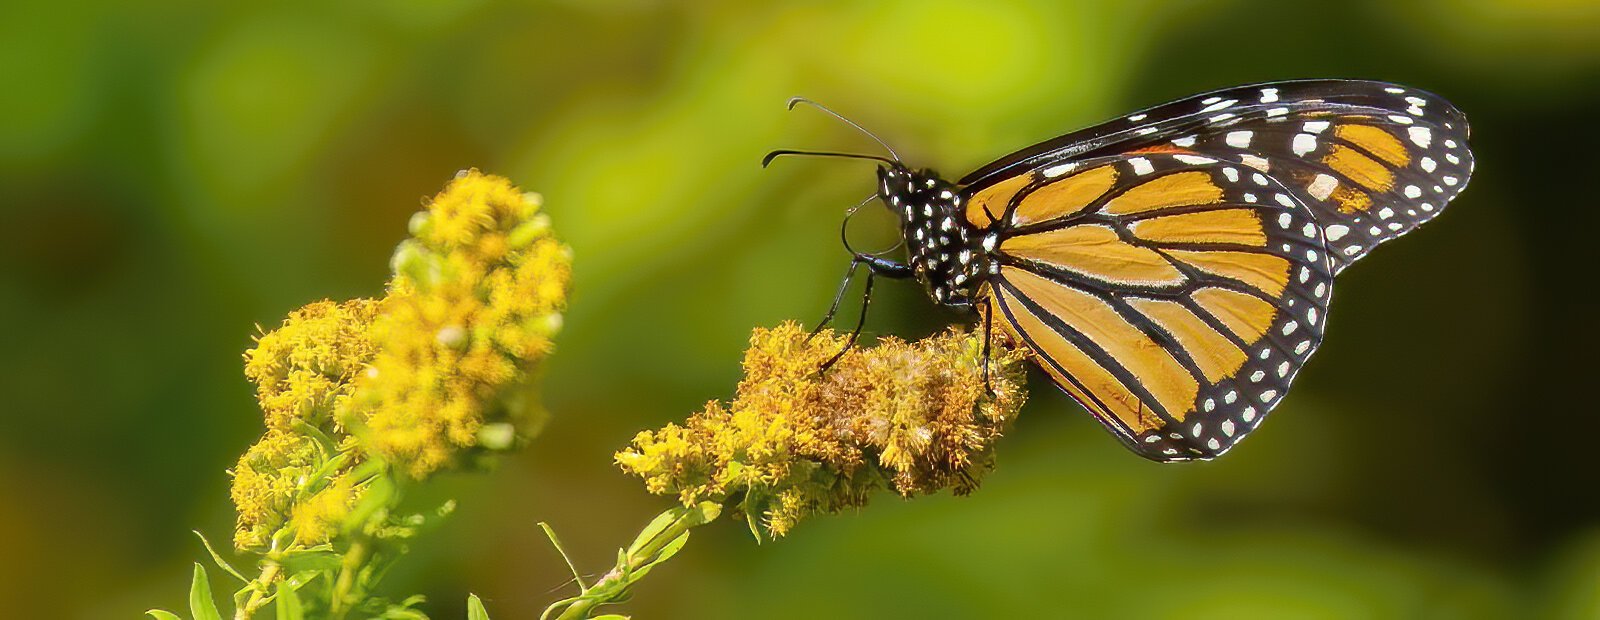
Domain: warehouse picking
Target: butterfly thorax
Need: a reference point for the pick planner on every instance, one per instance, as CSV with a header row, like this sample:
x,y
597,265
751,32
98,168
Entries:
x,y
947,254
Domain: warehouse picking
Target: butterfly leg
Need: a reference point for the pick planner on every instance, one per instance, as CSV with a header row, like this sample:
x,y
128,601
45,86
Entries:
x,y
988,337
876,266
849,275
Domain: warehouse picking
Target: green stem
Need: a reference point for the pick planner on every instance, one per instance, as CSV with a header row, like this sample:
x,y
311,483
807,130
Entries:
x,y
261,585
353,560
614,585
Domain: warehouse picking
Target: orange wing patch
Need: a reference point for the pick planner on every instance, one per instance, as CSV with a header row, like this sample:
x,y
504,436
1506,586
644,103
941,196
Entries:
x,y
1064,197
1376,141
1266,272
1247,316
1059,198
994,199
1173,190
1152,365
1167,149
1097,252
1214,353
1359,168
1239,226
1088,382
1351,199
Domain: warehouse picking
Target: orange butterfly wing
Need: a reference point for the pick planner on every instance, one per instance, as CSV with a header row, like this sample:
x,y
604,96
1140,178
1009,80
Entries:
x,y
1173,295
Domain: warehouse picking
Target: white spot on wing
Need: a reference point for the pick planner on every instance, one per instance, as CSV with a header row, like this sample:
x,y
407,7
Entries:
x,y
1141,166
1239,139
1055,171
1322,186
1304,143
1420,136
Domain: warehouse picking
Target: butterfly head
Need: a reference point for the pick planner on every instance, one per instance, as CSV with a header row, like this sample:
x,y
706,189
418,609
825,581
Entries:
x,y
946,252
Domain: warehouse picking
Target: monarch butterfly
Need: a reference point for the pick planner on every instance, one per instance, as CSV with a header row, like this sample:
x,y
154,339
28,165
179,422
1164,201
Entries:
x,y
1171,269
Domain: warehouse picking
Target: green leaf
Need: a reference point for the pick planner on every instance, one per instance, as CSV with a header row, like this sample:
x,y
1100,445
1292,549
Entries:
x,y
558,605
704,512
475,610
216,557
667,551
551,534
611,617
320,478
750,509
656,526
288,603
200,602
671,549
162,614
381,493
318,560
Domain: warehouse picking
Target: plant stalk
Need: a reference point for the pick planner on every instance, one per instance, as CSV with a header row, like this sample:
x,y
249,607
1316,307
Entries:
x,y
262,584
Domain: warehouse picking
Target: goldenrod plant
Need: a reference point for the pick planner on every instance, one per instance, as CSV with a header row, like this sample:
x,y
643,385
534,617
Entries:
x,y
913,417
364,399
367,398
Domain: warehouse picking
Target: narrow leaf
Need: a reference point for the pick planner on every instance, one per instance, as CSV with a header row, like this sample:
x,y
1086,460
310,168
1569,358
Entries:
x,y
216,557
200,603
551,534
671,548
288,603
475,610
311,560
661,522
162,614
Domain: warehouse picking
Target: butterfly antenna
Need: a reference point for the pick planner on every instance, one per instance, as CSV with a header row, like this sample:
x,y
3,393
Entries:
x,y
844,227
780,152
799,100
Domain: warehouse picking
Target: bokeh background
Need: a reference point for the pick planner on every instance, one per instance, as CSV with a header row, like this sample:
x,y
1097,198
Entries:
x,y
173,174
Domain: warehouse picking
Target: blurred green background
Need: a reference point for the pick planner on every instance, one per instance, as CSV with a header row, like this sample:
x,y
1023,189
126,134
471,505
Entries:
x,y
173,174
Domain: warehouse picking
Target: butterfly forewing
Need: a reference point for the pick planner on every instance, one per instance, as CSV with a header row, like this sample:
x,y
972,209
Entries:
x,y
1174,295
1371,160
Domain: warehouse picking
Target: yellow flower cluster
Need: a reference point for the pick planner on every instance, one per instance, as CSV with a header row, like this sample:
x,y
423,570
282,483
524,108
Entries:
x,y
304,373
916,417
304,370
438,367
478,293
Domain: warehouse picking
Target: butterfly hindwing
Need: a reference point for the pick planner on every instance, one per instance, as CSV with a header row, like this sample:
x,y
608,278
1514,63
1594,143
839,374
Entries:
x,y
1174,295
